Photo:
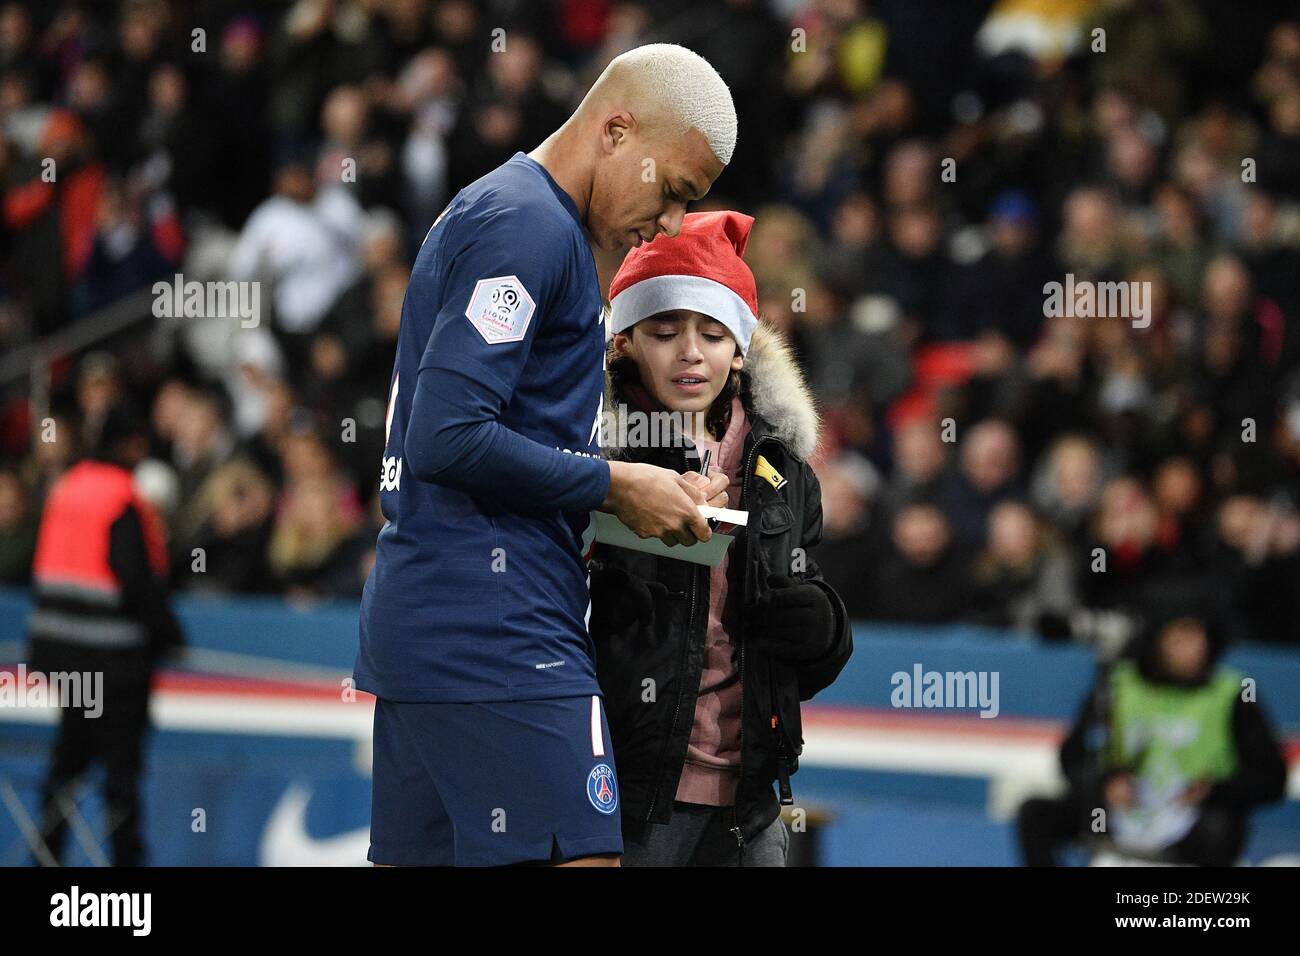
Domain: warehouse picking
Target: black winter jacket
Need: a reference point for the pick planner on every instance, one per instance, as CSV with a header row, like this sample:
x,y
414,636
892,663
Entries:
x,y
651,722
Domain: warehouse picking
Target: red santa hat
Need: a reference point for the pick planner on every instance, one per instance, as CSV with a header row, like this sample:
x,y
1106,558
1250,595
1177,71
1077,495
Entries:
x,y
699,269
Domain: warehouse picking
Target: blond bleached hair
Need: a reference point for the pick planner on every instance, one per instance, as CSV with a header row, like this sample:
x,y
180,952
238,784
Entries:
x,y
682,86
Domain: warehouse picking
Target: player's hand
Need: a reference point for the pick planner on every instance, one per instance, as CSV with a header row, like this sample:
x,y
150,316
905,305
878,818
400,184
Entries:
x,y
656,503
714,486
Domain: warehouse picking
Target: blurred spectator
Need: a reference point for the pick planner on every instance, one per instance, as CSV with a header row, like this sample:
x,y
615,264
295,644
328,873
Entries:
x,y
1181,249
17,528
1089,245
1270,597
1117,558
1177,493
851,514
429,92
315,550
226,551
201,440
131,245
297,241
178,145
234,96
306,455
50,224
919,273
988,473
508,106
169,405
98,389
920,456
1068,486
55,446
922,577
1003,289
1023,578
350,152
854,251
1253,564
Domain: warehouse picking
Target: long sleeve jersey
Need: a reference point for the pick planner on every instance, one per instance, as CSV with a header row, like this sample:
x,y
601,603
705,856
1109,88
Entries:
x,y
491,463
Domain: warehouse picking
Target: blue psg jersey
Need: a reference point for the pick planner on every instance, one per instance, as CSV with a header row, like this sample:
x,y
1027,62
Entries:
x,y
478,592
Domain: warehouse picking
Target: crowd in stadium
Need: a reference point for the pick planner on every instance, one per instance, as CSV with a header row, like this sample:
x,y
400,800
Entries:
x,y
916,182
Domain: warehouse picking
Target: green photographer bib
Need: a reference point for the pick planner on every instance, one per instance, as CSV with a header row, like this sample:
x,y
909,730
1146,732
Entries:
x,y
1167,734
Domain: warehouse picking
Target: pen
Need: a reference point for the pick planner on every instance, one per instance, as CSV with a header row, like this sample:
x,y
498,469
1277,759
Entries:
x,y
704,470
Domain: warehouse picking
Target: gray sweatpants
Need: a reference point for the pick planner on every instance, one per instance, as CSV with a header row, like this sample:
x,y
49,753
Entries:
x,y
698,835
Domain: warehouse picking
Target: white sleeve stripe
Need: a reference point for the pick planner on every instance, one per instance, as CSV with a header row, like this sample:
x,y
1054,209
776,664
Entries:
x,y
597,736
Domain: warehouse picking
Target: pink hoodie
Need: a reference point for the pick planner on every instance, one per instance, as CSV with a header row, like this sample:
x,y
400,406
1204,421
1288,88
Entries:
x,y
712,767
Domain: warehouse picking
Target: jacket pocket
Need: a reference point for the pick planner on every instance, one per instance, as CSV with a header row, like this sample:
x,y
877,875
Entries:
x,y
775,518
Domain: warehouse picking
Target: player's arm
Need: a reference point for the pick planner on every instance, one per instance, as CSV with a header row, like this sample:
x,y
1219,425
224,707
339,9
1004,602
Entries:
x,y
471,366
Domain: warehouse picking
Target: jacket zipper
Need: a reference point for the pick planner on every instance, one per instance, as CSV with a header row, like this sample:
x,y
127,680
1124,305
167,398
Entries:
x,y
677,707
735,806
785,794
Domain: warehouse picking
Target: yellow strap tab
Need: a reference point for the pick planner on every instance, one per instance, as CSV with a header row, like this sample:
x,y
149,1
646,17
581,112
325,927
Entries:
x,y
763,469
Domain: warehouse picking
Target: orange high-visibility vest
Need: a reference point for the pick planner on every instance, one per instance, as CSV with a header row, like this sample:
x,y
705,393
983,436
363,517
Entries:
x,y
72,544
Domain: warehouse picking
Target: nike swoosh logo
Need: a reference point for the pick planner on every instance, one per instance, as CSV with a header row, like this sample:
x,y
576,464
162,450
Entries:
x,y
286,842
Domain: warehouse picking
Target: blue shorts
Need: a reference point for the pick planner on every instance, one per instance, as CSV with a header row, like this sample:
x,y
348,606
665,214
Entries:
x,y
492,784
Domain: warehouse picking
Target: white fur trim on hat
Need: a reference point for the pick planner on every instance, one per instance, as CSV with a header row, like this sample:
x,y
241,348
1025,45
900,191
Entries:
x,y
665,293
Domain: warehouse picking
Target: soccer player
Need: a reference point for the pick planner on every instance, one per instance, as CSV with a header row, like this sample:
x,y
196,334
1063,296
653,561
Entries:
x,y
490,740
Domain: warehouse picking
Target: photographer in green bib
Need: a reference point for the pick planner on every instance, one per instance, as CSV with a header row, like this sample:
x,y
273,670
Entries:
x,y
1173,746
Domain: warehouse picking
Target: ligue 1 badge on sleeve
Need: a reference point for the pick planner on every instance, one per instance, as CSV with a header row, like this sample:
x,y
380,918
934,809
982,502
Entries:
x,y
602,790
500,308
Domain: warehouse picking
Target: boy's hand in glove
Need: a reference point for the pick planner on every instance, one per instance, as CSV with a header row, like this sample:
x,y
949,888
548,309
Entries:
x,y
793,621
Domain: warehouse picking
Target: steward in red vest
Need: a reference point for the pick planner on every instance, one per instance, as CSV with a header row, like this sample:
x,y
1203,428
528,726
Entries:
x,y
98,580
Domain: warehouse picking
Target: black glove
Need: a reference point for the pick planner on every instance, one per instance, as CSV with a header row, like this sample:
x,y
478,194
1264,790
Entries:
x,y
618,599
792,621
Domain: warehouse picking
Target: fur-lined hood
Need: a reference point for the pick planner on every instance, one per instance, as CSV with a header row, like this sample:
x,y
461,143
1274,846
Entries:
x,y
772,387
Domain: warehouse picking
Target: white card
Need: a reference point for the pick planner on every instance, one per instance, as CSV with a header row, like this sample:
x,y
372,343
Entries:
x,y
611,531
729,515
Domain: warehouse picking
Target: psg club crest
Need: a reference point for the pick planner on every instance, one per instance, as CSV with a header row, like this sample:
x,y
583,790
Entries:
x,y
602,790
